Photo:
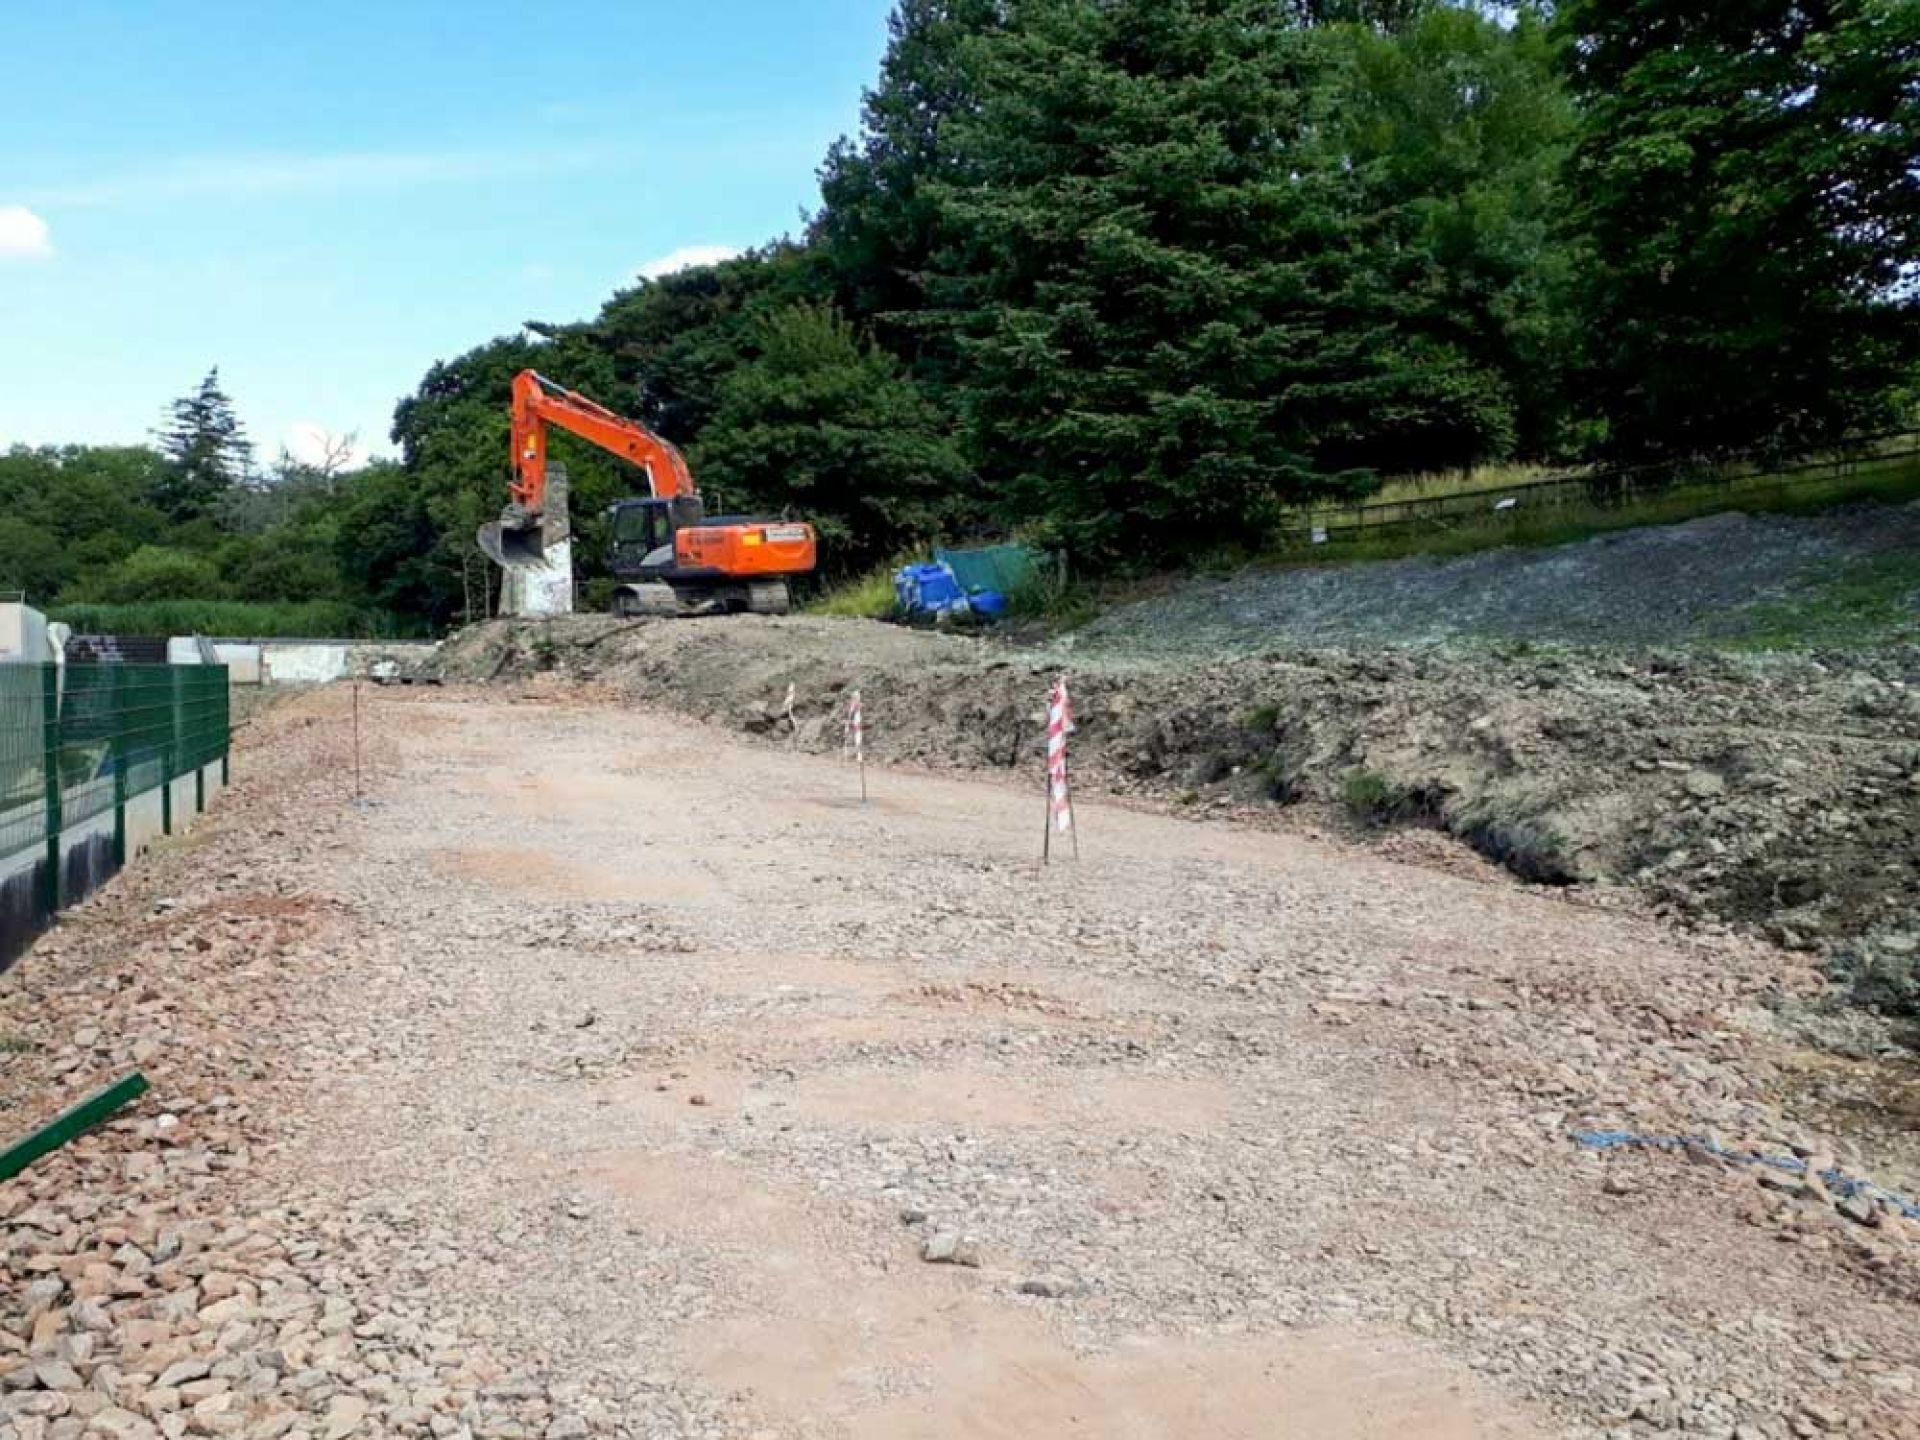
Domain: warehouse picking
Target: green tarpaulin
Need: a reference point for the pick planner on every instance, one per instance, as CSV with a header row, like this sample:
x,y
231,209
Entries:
x,y
1005,568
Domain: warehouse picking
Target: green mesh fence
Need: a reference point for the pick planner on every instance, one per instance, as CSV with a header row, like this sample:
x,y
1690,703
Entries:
x,y
107,732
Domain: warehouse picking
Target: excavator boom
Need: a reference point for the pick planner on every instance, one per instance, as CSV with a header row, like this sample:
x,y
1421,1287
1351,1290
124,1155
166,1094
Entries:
x,y
539,402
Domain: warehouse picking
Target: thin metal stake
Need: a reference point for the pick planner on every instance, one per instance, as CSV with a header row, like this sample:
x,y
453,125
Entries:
x,y
356,740
1075,831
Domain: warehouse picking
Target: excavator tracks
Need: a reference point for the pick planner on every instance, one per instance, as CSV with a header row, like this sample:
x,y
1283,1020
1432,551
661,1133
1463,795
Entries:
x,y
659,599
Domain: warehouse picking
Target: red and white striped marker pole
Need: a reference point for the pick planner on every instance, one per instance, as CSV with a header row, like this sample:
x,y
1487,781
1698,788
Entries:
x,y
857,741
1059,792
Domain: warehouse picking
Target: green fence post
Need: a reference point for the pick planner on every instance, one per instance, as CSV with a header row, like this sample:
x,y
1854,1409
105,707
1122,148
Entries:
x,y
166,788
50,765
117,718
170,751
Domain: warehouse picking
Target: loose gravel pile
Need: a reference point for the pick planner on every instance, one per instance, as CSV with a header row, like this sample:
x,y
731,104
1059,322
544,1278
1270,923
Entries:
x,y
171,1274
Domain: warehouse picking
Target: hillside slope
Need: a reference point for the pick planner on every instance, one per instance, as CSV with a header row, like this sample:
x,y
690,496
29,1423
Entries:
x,y
1848,577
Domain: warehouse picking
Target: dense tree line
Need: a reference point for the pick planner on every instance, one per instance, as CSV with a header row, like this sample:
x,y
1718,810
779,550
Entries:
x,y
114,531
1134,276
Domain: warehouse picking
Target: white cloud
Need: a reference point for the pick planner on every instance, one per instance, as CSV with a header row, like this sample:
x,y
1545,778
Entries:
x,y
687,257
311,443
23,234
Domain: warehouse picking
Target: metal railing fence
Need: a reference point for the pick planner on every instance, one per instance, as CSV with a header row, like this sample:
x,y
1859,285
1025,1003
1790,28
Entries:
x,y
78,741
1603,489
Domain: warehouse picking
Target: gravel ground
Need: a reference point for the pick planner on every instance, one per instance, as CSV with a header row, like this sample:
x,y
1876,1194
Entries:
x,y
1705,580
600,1074
1776,793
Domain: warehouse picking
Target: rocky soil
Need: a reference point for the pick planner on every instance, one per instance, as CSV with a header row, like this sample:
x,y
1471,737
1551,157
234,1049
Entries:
x,y
602,1074
171,1274
1776,793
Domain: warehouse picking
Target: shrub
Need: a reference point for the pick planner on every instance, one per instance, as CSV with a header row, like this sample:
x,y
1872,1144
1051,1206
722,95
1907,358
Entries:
x,y
235,618
1530,849
157,572
1264,719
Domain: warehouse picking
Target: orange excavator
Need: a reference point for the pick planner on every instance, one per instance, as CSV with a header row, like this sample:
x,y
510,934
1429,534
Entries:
x,y
668,556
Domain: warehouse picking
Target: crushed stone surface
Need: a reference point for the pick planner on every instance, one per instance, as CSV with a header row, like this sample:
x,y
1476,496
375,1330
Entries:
x,y
1657,585
603,1074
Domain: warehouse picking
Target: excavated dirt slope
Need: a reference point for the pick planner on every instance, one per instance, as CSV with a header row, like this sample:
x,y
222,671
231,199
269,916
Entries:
x,y
1776,793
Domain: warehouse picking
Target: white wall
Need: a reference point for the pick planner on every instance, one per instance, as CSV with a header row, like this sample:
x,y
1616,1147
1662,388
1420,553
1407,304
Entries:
x,y
291,663
23,634
241,659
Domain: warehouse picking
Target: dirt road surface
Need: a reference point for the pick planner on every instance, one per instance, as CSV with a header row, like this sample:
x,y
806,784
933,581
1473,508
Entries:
x,y
622,1078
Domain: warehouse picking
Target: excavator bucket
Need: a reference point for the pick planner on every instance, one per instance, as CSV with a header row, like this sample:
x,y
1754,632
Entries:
x,y
513,548
534,551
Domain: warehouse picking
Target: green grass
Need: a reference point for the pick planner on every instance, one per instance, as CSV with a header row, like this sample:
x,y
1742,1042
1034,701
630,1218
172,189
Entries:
x,y
865,597
1379,799
1868,601
1892,481
1432,484
224,617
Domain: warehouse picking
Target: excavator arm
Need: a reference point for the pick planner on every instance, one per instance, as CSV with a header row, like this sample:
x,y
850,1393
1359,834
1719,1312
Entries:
x,y
538,402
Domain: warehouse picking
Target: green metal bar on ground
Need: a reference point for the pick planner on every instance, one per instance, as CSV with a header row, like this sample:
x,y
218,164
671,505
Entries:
x,y
76,1122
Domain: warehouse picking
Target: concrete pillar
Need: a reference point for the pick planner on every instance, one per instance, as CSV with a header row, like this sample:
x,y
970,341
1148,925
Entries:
x,y
546,589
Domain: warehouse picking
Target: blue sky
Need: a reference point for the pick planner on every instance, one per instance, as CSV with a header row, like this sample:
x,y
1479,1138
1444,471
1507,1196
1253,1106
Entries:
x,y
324,198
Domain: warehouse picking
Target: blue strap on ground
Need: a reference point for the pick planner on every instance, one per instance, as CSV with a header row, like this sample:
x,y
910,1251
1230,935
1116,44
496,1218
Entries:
x,y
1842,1185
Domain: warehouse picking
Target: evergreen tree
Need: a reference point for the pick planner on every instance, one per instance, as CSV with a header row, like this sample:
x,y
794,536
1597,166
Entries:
x,y
877,227
830,428
1746,184
1151,252
207,449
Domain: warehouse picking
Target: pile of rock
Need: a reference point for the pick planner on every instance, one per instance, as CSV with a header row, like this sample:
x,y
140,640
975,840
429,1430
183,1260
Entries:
x,y
153,1280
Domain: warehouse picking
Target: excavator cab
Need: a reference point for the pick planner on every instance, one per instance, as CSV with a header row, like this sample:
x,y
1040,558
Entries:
x,y
643,532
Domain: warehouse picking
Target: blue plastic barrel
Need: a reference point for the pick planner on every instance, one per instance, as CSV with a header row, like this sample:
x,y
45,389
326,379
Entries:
x,y
928,589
